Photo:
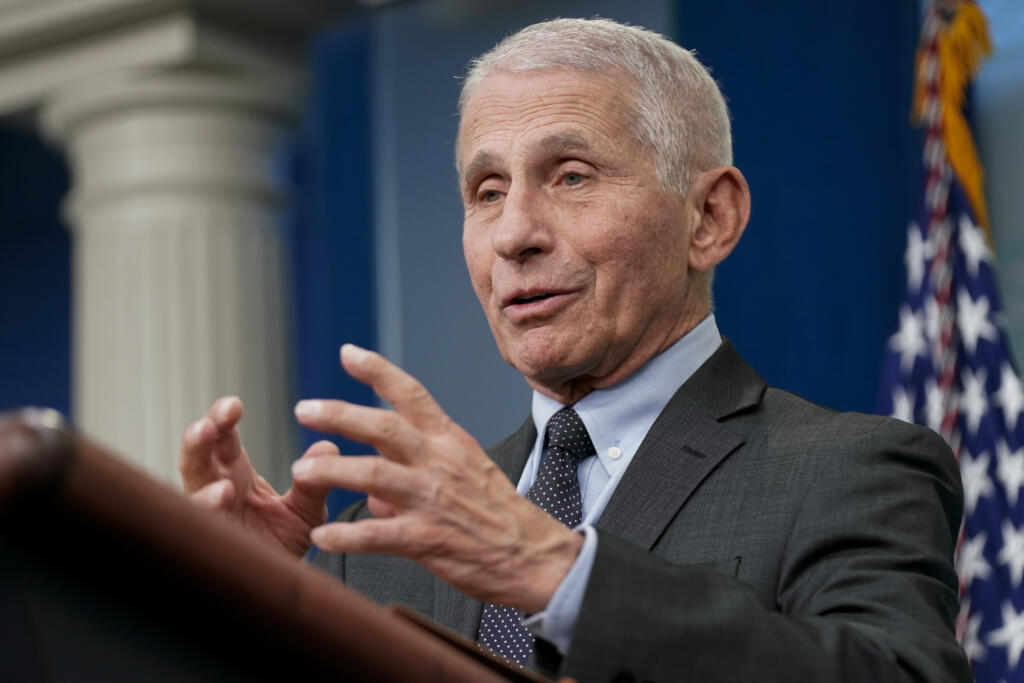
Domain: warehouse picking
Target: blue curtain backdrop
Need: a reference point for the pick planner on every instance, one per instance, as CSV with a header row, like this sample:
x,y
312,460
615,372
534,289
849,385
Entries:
x,y
333,226
820,97
35,275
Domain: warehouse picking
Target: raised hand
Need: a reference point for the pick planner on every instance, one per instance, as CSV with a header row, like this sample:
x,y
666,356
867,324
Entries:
x,y
436,496
218,474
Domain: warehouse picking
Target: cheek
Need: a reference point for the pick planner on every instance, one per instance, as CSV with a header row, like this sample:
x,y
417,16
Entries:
x,y
638,264
478,263
621,247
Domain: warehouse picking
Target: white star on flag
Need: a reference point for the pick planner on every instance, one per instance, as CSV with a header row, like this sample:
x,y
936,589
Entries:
x,y
934,408
971,563
976,480
1012,552
902,405
972,645
909,341
972,399
972,320
1010,470
1011,635
973,245
1010,396
915,256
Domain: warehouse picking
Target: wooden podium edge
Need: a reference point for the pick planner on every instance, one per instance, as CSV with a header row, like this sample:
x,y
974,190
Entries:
x,y
468,647
43,462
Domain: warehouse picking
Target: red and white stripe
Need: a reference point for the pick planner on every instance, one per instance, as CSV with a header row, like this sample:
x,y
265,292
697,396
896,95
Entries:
x,y
938,175
940,227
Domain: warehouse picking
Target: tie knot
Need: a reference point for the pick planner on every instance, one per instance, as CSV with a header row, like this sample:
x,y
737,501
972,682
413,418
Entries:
x,y
567,433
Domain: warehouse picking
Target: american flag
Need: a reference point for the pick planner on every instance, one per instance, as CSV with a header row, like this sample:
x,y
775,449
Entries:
x,y
948,367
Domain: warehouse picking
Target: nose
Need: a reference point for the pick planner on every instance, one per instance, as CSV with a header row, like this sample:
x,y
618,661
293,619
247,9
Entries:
x,y
524,229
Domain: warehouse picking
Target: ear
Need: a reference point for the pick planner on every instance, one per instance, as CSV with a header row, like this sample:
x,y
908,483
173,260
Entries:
x,y
721,202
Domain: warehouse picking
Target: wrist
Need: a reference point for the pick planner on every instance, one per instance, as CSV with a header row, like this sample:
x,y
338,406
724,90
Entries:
x,y
549,573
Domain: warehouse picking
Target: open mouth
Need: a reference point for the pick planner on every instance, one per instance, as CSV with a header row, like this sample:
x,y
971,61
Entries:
x,y
531,304
530,299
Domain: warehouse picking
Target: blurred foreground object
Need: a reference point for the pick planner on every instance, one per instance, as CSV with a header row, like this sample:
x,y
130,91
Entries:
x,y
106,574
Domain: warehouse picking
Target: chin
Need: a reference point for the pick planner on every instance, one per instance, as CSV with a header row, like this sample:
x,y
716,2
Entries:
x,y
546,354
546,367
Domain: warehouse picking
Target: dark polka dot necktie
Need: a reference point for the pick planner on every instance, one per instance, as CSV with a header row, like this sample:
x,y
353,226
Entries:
x,y
556,490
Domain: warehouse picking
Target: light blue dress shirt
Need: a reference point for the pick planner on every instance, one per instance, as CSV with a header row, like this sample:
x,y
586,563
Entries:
x,y
617,419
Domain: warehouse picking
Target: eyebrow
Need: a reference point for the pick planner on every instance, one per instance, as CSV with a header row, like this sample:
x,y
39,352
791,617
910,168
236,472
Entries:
x,y
555,144
481,162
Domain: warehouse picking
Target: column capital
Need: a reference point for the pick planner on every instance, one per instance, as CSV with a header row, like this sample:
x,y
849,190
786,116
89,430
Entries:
x,y
139,139
45,45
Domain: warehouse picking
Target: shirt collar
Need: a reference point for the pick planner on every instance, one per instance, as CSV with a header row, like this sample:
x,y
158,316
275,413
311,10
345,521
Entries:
x,y
622,414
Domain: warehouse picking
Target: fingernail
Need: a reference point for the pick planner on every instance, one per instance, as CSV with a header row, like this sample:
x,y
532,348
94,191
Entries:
x,y
308,408
195,430
224,408
301,467
201,426
354,353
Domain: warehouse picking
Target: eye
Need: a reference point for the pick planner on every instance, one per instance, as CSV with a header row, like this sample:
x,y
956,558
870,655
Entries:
x,y
572,179
489,196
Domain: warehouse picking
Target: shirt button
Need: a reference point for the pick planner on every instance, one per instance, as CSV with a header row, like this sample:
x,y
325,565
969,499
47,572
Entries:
x,y
614,452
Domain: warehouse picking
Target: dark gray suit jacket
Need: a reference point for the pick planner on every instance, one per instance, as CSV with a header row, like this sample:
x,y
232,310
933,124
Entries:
x,y
754,537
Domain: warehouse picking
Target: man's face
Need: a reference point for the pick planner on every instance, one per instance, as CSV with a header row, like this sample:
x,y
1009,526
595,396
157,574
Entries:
x,y
577,254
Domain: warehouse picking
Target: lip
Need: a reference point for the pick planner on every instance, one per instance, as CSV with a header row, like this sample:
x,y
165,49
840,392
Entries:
x,y
525,312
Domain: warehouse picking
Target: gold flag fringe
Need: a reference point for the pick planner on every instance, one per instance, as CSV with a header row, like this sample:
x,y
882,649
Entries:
x,y
962,44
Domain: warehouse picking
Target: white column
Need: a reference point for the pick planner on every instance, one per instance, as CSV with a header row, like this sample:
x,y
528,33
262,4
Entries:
x,y
181,288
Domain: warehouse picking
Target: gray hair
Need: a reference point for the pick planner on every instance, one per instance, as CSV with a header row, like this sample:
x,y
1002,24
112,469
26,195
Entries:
x,y
679,112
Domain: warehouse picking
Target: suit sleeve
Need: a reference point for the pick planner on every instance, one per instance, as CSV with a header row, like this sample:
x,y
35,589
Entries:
x,y
867,590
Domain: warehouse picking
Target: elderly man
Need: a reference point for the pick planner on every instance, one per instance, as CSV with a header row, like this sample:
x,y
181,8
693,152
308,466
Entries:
x,y
673,518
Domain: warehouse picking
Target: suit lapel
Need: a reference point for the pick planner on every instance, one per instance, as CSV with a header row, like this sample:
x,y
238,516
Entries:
x,y
455,610
687,441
